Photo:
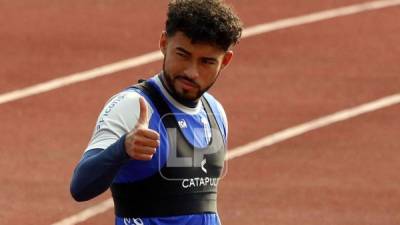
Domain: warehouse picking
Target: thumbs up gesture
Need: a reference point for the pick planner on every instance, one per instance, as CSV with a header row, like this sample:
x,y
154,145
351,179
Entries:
x,y
141,142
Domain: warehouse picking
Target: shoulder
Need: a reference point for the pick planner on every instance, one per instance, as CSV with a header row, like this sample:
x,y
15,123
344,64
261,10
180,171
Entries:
x,y
118,116
216,106
120,104
219,113
125,102
121,99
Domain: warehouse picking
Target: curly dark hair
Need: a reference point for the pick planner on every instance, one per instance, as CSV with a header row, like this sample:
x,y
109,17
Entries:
x,y
204,21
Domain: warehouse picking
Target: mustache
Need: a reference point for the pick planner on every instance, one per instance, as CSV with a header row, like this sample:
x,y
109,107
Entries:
x,y
183,77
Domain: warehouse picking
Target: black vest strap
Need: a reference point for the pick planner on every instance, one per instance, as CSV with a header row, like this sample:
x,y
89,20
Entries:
x,y
158,101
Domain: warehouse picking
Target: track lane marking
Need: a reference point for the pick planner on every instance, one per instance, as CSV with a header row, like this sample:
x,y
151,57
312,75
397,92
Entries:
x,y
88,213
80,77
156,55
313,125
318,16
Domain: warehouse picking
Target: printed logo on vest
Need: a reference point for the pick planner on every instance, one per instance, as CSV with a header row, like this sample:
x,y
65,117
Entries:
x,y
133,221
203,163
197,182
182,123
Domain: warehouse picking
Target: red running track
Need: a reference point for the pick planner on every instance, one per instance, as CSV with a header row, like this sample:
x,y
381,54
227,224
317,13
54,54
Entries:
x,y
342,174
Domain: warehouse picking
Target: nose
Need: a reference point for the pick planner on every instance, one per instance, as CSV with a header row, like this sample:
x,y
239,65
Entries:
x,y
192,71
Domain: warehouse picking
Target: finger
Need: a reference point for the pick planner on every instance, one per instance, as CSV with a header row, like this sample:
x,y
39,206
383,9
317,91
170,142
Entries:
x,y
143,116
149,133
145,150
143,157
147,142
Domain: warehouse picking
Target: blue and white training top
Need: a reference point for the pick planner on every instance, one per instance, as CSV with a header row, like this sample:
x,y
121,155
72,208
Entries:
x,y
105,160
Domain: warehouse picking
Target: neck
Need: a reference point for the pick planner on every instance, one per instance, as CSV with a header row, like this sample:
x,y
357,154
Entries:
x,y
185,102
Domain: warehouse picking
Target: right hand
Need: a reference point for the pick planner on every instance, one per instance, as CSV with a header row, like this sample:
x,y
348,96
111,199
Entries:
x,y
141,142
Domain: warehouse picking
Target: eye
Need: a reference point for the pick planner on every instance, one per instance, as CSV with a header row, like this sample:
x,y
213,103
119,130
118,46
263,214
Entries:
x,y
208,61
181,54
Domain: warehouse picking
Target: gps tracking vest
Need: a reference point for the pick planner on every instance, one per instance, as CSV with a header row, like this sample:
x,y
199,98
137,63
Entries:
x,y
187,183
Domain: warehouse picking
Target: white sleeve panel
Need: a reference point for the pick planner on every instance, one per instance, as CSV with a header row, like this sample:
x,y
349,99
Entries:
x,y
118,117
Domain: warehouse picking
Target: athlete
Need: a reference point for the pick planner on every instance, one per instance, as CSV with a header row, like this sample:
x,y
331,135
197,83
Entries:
x,y
160,144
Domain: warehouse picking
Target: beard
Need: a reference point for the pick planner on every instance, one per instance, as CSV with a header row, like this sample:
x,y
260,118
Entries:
x,y
184,95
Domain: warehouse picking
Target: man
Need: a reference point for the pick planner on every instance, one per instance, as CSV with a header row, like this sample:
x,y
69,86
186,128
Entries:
x,y
160,144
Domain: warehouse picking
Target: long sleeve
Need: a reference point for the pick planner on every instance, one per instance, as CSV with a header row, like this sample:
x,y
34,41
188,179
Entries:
x,y
106,153
97,169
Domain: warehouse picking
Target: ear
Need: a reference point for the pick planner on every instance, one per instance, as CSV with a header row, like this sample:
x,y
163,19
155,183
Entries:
x,y
163,42
227,58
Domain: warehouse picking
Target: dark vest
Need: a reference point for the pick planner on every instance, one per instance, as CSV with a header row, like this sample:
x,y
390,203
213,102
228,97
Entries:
x,y
187,184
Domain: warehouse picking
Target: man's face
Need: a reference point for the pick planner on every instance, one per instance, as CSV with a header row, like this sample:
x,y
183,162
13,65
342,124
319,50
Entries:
x,y
191,69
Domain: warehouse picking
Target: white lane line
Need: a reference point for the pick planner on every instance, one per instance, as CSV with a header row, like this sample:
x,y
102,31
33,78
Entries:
x,y
79,77
156,55
88,213
318,16
313,125
260,144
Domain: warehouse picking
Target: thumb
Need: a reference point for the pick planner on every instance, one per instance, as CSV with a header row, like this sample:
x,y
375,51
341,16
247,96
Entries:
x,y
143,116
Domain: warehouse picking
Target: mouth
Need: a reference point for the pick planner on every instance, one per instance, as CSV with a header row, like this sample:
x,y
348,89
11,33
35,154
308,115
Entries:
x,y
186,83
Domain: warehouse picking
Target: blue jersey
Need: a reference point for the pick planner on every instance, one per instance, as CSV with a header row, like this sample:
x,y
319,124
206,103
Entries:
x,y
120,115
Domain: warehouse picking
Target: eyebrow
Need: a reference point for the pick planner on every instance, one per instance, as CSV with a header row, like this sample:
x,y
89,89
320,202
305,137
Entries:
x,y
188,53
183,50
